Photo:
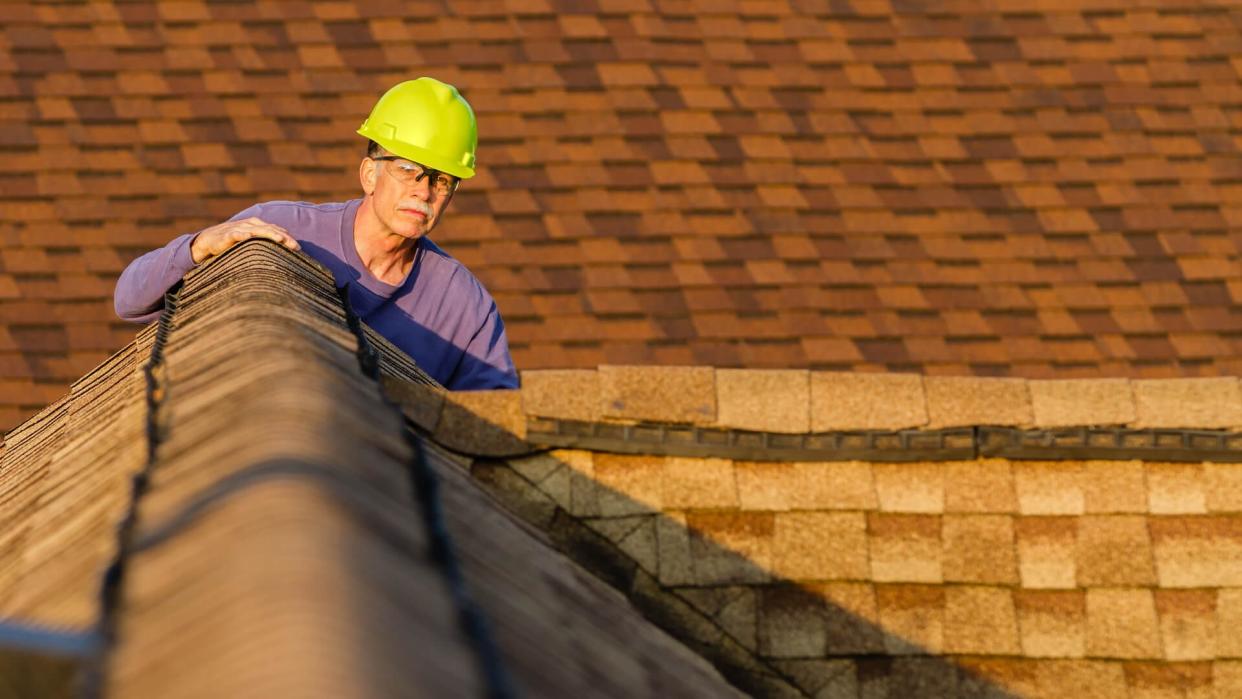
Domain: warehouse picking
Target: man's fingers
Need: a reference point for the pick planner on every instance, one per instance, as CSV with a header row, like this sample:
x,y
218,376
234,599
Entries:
x,y
277,235
224,236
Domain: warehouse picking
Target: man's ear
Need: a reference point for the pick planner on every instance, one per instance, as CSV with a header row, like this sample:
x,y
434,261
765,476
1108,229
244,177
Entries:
x,y
367,172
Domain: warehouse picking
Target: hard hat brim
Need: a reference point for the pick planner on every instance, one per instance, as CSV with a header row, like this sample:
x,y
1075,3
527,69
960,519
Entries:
x,y
422,156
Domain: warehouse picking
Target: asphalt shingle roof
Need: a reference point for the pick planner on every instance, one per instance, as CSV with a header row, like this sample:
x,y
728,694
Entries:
x,y
288,538
1040,190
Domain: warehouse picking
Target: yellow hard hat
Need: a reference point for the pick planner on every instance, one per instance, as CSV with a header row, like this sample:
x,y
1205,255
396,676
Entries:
x,y
426,121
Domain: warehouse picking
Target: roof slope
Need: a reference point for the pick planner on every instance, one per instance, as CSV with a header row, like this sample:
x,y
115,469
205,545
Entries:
x,y
947,188
286,537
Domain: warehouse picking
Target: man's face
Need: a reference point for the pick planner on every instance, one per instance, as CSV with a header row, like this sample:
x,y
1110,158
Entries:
x,y
409,210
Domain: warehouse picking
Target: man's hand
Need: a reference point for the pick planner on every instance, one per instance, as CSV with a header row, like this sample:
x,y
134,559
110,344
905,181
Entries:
x,y
214,240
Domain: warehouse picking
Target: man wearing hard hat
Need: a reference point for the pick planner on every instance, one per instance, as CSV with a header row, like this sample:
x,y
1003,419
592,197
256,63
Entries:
x,y
422,142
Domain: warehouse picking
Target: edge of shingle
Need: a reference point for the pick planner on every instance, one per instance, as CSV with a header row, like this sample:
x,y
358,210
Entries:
x,y
795,401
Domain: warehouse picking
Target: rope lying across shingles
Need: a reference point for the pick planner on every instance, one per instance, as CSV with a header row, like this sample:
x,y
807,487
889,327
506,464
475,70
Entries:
x,y
114,576
426,485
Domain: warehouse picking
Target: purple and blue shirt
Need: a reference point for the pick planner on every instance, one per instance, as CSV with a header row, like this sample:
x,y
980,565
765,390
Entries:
x,y
440,315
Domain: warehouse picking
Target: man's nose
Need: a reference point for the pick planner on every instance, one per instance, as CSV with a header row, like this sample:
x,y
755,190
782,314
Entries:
x,y
422,187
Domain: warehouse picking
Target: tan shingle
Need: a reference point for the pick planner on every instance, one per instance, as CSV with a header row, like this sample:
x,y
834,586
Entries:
x,y
1053,623
820,546
1113,486
1046,551
1096,679
1157,679
980,620
1227,678
1197,551
1228,616
1222,485
483,422
1048,487
904,548
731,547
568,394
1114,550
909,487
1188,621
628,485
1073,402
836,485
851,617
969,400
765,400
985,485
842,401
1176,488
698,483
979,549
684,394
1122,624
913,616
1201,402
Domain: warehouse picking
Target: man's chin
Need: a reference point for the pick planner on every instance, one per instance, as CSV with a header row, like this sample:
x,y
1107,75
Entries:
x,y
405,229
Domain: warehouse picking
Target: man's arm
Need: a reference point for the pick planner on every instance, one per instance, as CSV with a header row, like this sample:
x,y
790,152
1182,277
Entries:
x,y
139,295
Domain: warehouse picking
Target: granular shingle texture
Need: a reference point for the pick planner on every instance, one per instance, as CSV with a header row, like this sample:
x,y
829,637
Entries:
x,y
1047,190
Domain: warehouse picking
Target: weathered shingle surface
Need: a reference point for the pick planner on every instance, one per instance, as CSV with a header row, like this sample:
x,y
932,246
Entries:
x,y
1049,190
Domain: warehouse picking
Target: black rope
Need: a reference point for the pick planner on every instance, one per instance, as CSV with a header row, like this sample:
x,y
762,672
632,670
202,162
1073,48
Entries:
x,y
426,487
114,575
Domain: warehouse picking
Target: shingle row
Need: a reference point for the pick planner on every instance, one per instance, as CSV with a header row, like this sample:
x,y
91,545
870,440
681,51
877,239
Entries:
x,y
795,401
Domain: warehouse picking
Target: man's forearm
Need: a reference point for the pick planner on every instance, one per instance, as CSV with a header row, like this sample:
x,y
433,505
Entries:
x,y
139,295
